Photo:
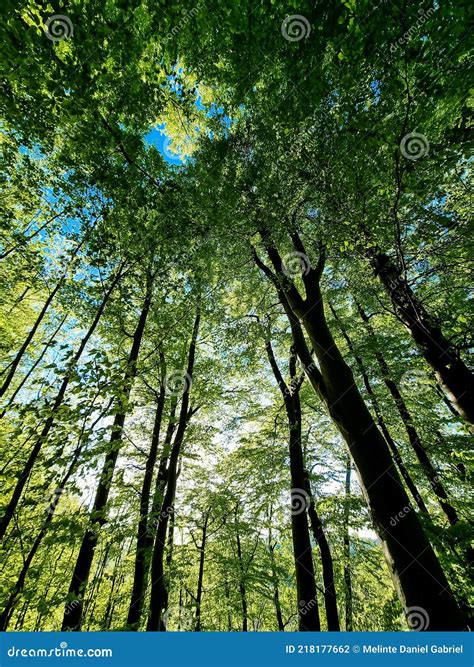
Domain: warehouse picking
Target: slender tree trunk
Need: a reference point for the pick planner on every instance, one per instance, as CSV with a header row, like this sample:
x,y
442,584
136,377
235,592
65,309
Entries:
x,y
227,597
18,587
330,597
20,485
73,619
19,355
144,540
276,592
307,599
347,550
159,593
413,437
242,587
202,556
410,484
416,571
452,373
33,367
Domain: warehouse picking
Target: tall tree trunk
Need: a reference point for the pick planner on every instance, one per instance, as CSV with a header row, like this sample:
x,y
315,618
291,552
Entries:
x,y
347,550
413,437
330,597
411,486
19,355
18,587
307,600
202,556
73,619
159,593
452,373
20,485
30,372
416,571
242,586
276,592
144,540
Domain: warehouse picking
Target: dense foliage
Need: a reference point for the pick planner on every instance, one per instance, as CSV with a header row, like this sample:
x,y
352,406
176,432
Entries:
x,y
235,323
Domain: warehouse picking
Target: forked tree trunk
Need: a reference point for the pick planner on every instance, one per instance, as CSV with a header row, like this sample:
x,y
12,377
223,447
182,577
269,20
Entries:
x,y
159,593
416,571
73,616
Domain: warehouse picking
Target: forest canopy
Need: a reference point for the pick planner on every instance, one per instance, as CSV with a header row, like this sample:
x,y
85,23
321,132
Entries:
x,y
235,244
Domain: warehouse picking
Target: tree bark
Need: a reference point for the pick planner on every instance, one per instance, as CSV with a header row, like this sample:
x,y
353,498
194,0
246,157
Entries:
x,y
330,597
347,551
19,355
20,485
159,593
411,486
307,600
202,556
73,618
451,372
144,539
416,571
242,586
413,437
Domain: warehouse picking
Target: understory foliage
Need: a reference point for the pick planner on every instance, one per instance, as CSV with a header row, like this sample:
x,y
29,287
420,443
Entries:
x,y
235,317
